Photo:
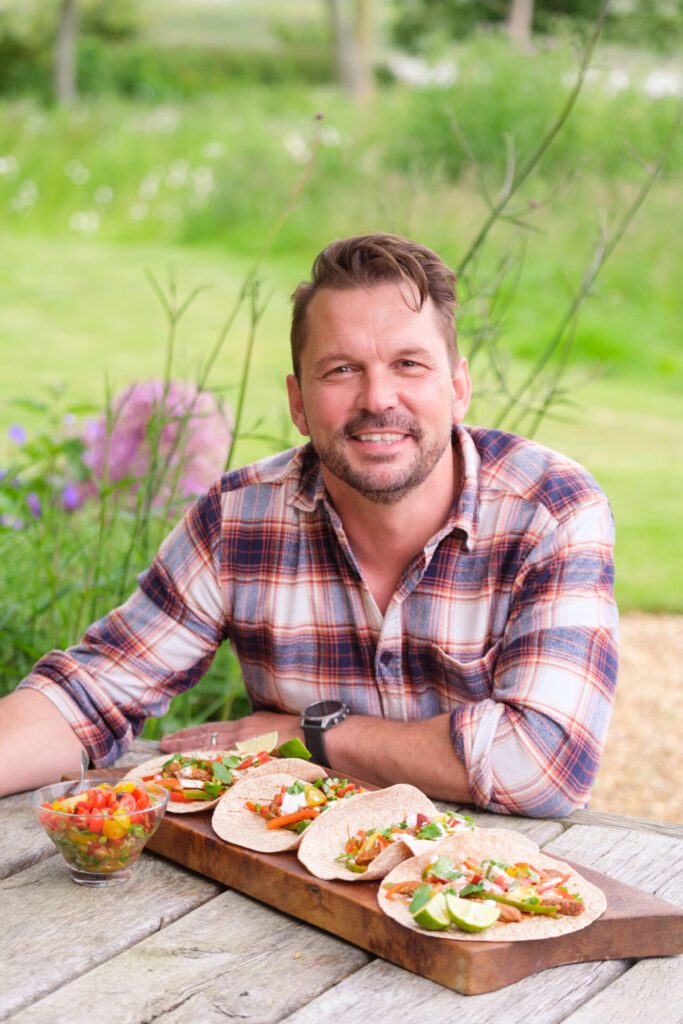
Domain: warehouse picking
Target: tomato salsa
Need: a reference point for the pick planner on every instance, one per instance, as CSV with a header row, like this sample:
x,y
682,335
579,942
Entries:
x,y
103,828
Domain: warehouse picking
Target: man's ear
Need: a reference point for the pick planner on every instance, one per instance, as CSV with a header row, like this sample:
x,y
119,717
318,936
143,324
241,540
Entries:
x,y
296,405
462,390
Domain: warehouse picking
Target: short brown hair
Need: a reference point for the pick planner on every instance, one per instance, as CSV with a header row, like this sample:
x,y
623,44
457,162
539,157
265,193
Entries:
x,y
363,261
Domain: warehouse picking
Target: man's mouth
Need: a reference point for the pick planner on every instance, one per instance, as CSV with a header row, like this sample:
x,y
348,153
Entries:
x,y
380,438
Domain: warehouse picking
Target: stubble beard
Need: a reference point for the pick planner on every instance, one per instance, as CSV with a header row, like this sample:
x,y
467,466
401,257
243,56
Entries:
x,y
396,485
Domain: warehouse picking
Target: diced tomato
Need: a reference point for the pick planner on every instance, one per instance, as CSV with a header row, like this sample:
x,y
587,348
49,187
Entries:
x,y
126,803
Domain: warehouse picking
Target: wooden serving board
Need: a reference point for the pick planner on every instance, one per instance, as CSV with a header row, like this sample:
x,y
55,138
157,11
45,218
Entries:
x,y
634,925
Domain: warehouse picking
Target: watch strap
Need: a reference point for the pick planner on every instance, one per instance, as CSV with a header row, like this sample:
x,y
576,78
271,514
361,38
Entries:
x,y
315,741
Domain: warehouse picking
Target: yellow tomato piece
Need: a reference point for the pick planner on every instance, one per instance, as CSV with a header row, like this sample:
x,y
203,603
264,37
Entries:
x,y
74,836
314,796
114,829
124,787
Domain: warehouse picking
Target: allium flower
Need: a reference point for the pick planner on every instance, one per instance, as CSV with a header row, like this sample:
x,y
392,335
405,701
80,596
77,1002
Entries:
x,y
33,502
192,444
71,498
17,433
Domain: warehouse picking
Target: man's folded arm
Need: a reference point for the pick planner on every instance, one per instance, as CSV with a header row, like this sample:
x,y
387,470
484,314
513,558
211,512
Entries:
x,y
534,747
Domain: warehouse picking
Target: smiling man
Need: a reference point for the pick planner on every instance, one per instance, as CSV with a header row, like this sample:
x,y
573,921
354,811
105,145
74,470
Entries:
x,y
420,601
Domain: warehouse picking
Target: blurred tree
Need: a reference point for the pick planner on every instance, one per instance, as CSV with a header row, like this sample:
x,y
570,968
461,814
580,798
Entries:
x,y
351,22
520,22
65,52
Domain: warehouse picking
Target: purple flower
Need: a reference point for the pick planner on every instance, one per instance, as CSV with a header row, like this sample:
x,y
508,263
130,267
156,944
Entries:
x,y
191,446
71,498
33,502
11,523
17,433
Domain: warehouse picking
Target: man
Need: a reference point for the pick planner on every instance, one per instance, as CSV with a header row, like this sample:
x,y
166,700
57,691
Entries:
x,y
449,588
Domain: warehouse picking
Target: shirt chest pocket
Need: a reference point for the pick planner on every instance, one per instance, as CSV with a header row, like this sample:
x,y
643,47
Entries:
x,y
461,681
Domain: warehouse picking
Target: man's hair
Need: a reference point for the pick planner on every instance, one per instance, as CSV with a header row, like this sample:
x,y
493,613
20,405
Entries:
x,y
364,261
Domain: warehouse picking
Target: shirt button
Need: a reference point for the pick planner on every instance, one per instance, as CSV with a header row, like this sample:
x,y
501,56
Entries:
x,y
386,657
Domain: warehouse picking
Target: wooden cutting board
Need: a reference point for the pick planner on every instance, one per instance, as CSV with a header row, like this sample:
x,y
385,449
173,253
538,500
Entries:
x,y
634,925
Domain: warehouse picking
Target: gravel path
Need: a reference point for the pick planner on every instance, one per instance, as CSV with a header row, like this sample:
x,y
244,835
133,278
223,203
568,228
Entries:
x,y
642,768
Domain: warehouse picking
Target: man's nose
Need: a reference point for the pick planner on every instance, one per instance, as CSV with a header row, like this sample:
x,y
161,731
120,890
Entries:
x,y
378,391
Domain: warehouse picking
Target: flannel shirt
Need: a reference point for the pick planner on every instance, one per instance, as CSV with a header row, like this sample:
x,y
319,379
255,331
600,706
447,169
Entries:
x,y
505,619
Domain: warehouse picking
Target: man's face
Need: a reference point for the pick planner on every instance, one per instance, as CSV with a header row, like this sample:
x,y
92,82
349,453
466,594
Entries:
x,y
376,393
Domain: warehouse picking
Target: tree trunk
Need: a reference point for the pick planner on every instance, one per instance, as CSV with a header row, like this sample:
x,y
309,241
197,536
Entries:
x,y
520,20
365,85
344,45
65,52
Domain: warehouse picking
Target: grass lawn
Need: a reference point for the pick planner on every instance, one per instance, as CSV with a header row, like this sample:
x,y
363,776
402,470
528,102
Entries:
x,y
78,311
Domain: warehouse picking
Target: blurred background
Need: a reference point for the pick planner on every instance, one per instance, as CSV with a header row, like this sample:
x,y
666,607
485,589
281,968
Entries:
x,y
170,168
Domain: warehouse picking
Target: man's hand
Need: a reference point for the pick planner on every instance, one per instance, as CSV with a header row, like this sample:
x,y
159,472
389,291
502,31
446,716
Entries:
x,y
228,733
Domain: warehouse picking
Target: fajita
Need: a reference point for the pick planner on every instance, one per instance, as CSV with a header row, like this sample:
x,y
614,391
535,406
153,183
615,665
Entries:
x,y
490,888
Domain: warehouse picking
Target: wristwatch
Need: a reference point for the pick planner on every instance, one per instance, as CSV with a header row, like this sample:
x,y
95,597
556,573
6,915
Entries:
x,y
316,720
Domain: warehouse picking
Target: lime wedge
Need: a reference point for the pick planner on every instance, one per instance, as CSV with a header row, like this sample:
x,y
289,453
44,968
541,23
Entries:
x,y
471,915
266,742
294,748
434,914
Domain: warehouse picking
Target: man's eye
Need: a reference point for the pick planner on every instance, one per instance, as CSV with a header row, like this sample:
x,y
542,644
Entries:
x,y
338,370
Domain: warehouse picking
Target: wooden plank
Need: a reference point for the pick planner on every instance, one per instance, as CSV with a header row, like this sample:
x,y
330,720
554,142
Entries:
x,y
22,840
552,995
385,992
230,958
653,863
537,829
666,828
651,991
75,928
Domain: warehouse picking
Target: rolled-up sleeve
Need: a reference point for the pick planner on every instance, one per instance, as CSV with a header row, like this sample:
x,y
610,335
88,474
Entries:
x,y
535,746
130,664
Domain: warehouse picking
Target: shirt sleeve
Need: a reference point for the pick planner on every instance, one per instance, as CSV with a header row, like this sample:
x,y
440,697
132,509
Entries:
x,y
534,746
130,664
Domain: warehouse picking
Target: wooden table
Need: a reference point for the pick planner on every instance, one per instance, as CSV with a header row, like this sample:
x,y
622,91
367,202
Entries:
x,y
171,946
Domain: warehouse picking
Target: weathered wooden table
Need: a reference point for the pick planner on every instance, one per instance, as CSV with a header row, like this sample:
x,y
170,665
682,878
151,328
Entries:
x,y
172,946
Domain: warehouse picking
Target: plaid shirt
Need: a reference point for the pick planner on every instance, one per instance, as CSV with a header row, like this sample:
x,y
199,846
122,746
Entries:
x,y
506,619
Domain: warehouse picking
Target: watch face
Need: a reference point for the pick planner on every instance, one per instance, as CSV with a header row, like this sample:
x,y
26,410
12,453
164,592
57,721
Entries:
x,y
323,708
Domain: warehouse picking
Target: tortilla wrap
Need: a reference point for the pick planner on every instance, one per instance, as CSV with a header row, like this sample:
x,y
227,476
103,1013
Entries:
x,y
324,840
505,846
233,821
278,764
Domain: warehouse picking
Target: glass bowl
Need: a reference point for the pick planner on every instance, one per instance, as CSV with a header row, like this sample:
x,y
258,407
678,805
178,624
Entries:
x,y
100,827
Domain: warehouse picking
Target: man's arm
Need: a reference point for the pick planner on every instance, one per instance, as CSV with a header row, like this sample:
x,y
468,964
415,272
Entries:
x,y
371,749
37,744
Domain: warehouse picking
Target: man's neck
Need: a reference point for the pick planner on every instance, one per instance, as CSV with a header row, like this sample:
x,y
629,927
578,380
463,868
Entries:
x,y
384,538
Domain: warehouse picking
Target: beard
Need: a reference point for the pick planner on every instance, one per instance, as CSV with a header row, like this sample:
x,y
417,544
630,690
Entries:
x,y
381,481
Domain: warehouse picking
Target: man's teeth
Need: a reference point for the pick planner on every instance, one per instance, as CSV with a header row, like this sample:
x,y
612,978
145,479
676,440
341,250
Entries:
x,y
380,438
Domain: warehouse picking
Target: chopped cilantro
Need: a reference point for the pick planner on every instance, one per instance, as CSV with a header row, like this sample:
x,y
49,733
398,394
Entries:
x,y
221,773
442,868
470,889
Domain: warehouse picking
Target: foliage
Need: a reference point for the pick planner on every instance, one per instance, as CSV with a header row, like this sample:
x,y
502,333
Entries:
x,y
426,24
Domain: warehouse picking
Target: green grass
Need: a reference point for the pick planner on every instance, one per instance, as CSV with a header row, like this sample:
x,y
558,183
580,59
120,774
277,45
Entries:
x,y
81,310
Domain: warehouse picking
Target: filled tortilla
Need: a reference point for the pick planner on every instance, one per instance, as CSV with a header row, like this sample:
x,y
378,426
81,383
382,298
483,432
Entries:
x,y
399,821
323,844
269,813
155,765
586,901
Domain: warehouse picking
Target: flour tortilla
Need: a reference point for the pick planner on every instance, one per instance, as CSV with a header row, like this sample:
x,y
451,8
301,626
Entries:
x,y
505,846
233,821
324,840
278,764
